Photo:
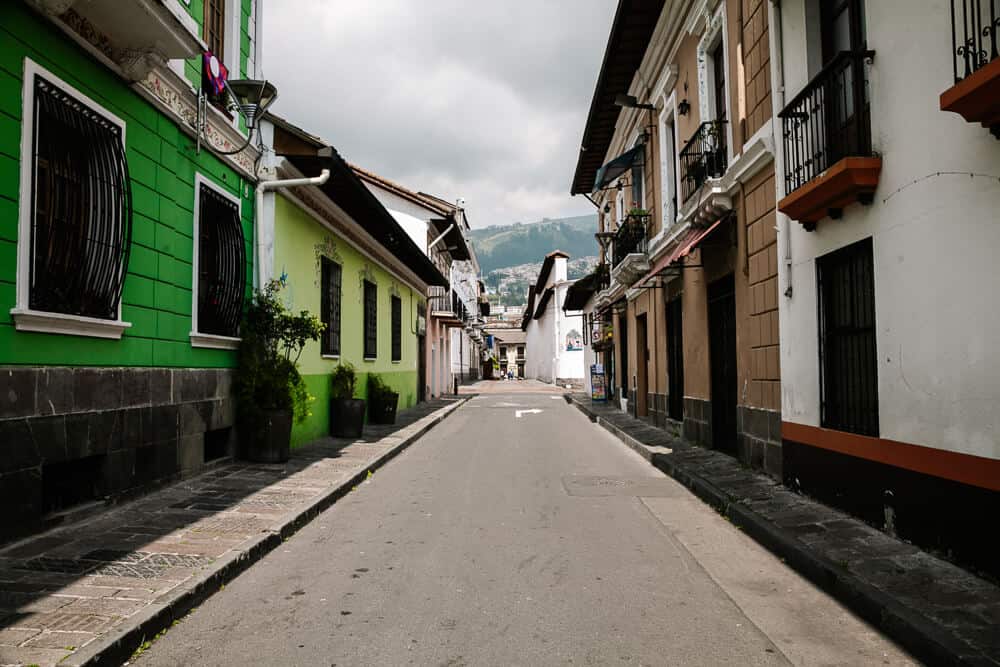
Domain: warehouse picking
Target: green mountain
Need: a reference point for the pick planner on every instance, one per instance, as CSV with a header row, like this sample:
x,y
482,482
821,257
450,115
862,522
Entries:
x,y
502,246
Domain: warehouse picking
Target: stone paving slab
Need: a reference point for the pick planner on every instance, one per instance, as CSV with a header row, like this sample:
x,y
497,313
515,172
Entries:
x,y
90,593
935,609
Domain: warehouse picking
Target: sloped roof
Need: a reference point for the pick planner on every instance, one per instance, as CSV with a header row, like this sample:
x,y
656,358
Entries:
x,y
631,31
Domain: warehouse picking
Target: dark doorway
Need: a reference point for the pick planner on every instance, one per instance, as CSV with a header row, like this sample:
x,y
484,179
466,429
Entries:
x,y
722,351
675,360
421,368
623,347
641,363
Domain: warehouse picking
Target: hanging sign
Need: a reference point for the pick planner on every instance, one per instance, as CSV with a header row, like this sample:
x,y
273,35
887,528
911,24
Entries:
x,y
598,388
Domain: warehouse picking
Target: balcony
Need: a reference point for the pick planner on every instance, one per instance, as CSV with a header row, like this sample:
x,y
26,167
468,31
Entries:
x,y
136,34
703,157
445,306
629,260
976,63
826,137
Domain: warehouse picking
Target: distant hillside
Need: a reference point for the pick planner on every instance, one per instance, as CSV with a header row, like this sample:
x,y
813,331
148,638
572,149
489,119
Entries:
x,y
499,247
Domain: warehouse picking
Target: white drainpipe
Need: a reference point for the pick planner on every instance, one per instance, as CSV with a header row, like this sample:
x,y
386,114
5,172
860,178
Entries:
x,y
264,186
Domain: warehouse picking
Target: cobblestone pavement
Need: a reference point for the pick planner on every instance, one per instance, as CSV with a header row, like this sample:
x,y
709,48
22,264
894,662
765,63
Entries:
x,y
940,612
68,589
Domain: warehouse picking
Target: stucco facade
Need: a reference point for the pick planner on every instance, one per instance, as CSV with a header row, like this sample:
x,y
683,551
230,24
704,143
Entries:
x,y
94,407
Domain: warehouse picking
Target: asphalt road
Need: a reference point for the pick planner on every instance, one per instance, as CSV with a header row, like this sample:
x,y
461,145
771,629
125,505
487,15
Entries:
x,y
537,539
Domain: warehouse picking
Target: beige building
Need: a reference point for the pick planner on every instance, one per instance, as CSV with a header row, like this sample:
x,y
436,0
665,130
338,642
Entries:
x,y
510,345
678,156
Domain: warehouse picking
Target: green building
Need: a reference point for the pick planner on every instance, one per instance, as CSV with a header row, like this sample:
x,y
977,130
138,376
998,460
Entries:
x,y
125,246
342,255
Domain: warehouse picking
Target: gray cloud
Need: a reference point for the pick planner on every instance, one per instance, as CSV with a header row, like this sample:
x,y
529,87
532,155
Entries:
x,y
485,101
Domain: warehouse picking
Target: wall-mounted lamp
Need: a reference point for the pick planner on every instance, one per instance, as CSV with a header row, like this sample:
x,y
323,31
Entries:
x,y
630,102
683,107
252,98
607,208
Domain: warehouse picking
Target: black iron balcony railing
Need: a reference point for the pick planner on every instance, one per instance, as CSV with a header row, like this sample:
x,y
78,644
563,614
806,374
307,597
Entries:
x,y
974,26
828,121
703,156
630,238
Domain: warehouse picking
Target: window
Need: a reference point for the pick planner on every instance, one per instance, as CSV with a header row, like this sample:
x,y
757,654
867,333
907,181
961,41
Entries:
x,y
330,306
638,176
848,361
220,265
719,81
215,27
668,167
76,219
520,352
371,320
397,329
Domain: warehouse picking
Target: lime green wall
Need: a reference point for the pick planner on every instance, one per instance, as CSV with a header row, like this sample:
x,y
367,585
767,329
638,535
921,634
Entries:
x,y
162,165
300,243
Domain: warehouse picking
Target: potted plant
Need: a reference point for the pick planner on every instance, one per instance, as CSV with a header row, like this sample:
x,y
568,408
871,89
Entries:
x,y
382,401
270,392
347,414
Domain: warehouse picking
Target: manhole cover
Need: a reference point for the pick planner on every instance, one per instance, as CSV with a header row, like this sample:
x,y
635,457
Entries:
x,y
595,486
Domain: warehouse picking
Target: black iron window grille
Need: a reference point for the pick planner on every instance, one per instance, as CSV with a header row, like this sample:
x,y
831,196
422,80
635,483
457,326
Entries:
x,y
330,291
371,320
221,264
828,121
397,329
974,25
631,237
848,360
704,156
81,227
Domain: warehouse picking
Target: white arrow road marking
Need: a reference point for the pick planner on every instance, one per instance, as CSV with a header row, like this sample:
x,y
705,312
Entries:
x,y
533,411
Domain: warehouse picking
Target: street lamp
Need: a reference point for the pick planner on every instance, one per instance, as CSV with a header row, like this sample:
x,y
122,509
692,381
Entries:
x,y
253,97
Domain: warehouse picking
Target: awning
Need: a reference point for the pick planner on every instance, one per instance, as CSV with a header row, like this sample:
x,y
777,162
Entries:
x,y
618,166
454,241
683,248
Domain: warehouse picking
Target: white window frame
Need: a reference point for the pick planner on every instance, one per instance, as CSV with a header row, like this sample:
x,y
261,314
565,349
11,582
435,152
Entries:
x,y
619,207
25,318
636,143
199,339
715,32
670,173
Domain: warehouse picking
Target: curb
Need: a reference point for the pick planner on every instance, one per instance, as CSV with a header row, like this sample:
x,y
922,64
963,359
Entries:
x,y
118,645
922,637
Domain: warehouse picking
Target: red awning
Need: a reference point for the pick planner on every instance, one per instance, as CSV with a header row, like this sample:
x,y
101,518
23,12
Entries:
x,y
683,248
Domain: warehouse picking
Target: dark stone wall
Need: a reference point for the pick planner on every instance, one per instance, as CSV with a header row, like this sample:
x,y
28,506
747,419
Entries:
x,y
69,435
698,421
656,408
953,519
759,433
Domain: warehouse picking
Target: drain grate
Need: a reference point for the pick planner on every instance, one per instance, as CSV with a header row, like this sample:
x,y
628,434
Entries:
x,y
132,570
114,556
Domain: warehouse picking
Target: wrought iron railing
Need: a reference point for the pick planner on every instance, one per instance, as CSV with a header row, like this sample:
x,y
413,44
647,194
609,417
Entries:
x,y
703,156
828,121
631,237
974,26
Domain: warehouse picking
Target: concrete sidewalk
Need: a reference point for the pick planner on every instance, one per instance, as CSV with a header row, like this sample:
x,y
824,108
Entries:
x,y
939,612
92,592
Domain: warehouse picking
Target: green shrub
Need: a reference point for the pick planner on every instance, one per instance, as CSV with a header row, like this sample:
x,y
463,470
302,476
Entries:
x,y
343,380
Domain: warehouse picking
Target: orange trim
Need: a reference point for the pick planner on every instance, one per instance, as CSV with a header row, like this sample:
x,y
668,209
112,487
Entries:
x,y
965,468
836,187
976,98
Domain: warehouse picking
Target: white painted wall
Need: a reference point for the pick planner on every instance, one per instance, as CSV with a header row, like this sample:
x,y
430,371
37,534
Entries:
x,y
547,358
935,240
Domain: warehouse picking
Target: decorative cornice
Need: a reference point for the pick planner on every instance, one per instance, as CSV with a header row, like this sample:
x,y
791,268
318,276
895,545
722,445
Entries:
x,y
173,94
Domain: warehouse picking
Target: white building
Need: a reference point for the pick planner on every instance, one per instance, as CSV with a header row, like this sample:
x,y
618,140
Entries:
x,y
888,324
554,338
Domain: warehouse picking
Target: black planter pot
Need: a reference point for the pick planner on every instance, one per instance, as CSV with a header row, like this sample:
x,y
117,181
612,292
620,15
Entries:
x,y
270,438
382,409
347,417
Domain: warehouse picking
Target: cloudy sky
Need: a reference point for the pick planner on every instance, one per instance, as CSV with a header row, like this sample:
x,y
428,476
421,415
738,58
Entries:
x,y
481,100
